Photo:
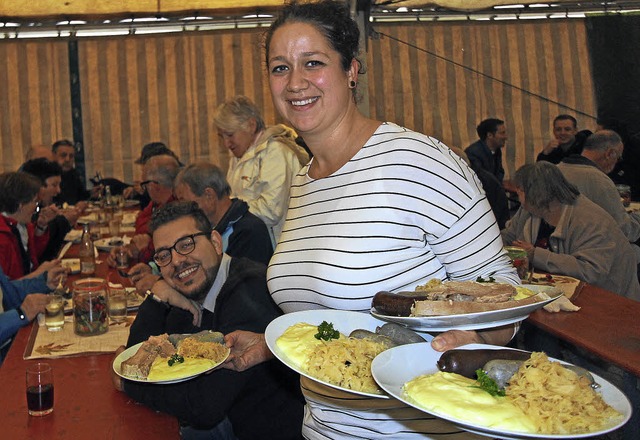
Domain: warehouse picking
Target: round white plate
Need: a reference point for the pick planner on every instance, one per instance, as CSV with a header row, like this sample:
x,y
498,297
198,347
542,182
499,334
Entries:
x,y
473,321
344,321
133,349
398,365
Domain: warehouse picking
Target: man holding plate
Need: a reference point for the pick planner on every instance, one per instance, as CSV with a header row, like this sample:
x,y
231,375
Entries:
x,y
227,294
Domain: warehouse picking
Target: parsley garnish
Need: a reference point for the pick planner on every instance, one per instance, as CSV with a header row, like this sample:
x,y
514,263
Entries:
x,y
489,385
490,279
175,359
326,332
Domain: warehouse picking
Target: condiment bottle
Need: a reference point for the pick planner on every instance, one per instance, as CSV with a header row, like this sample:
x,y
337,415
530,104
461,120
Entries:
x,y
87,253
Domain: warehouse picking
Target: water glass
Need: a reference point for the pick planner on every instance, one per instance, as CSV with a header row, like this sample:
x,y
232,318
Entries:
x,y
54,313
117,303
40,389
122,257
114,227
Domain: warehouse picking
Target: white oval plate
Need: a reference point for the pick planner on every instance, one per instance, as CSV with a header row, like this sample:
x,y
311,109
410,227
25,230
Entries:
x,y
133,349
343,320
473,321
394,367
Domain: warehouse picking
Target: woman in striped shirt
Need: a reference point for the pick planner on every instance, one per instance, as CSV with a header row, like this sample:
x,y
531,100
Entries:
x,y
379,207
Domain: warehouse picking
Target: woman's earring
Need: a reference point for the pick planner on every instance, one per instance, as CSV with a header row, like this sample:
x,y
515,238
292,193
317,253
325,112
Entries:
x,y
352,84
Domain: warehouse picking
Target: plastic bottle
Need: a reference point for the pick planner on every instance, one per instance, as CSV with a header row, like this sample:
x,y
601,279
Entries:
x,y
87,253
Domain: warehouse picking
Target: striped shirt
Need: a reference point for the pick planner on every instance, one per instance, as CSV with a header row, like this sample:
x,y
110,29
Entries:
x,y
403,210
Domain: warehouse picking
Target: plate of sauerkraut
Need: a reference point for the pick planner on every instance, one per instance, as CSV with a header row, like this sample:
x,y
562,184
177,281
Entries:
x,y
317,345
542,399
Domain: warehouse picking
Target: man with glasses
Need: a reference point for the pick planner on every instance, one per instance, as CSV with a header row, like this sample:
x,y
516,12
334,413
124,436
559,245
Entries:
x,y
158,174
227,294
588,172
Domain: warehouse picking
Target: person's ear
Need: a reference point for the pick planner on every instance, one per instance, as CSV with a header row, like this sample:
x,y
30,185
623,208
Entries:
x,y
216,239
252,125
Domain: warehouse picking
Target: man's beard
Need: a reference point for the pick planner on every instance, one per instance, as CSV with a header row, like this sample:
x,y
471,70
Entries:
x,y
200,293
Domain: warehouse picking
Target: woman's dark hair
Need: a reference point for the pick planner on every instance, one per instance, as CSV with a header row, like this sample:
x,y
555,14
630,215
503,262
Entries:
x,y
42,168
543,183
17,188
331,18
175,210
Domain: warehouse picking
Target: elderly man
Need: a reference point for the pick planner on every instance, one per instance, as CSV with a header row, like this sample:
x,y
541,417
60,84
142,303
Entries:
x,y
486,153
232,294
588,172
567,140
158,173
566,233
72,190
243,234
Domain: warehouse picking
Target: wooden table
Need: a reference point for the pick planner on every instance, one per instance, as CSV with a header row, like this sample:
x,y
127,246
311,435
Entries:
x,y
86,405
607,325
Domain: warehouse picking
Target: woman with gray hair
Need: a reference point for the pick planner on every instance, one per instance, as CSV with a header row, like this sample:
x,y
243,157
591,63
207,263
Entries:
x,y
264,162
566,233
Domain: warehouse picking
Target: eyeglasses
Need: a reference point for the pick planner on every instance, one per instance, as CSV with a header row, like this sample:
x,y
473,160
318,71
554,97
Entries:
x,y
183,246
144,183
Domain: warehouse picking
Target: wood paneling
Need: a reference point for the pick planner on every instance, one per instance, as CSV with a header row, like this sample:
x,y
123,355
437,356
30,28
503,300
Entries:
x,y
138,89
34,97
418,79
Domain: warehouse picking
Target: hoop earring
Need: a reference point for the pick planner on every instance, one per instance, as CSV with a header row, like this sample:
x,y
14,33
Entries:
x,y
352,84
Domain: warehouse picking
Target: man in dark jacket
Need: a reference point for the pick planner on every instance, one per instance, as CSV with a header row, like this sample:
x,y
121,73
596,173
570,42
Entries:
x,y
71,185
228,294
243,234
486,153
567,140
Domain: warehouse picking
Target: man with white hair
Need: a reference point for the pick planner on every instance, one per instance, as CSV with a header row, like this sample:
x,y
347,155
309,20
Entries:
x,y
588,172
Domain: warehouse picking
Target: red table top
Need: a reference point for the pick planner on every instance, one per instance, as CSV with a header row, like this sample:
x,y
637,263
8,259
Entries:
x,y
606,325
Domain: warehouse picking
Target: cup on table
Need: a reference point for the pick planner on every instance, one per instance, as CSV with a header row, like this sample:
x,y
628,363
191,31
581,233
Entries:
x,y
122,257
519,260
54,313
39,389
625,194
117,303
114,227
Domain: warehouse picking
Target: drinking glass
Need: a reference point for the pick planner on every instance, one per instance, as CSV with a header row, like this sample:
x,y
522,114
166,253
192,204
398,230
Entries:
x,y
122,257
114,227
40,389
520,261
54,313
117,303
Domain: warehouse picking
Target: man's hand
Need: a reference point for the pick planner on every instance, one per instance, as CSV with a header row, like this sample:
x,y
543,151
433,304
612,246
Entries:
x,y
117,380
551,145
248,349
33,304
163,291
455,338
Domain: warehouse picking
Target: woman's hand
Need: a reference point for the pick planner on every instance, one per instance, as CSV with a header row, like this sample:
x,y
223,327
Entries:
x,y
33,304
248,349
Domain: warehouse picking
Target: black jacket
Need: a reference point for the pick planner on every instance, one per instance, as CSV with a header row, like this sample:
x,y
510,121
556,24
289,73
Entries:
x,y
262,402
249,236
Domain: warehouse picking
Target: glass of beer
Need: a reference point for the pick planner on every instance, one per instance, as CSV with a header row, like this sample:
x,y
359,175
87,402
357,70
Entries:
x,y
520,261
117,303
54,313
40,389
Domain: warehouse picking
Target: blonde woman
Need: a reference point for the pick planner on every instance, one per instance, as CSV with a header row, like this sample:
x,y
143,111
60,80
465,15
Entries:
x,y
265,160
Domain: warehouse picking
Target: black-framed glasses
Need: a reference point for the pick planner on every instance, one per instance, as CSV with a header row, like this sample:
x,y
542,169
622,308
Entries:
x,y
183,246
144,183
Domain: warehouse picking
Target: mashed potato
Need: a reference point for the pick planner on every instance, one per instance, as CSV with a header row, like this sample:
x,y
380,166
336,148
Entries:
x,y
458,396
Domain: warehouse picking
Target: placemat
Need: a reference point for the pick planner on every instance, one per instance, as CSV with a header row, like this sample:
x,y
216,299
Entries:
x,y
570,286
45,344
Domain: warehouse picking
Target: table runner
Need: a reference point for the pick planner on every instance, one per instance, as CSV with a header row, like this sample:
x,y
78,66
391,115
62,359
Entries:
x,y
45,344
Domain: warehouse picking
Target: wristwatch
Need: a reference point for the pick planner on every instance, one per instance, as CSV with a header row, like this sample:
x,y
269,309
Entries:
x,y
21,314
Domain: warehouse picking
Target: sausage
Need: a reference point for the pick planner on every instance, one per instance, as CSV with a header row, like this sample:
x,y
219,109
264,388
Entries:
x,y
399,333
466,362
396,304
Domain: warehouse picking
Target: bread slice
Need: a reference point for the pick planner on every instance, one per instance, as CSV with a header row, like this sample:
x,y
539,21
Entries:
x,y
450,307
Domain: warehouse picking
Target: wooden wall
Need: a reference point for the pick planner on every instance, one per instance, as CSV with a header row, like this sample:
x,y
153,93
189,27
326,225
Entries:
x,y
412,82
138,89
